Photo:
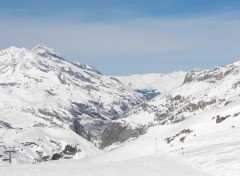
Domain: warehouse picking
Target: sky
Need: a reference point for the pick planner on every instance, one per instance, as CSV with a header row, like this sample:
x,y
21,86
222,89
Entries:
x,y
125,37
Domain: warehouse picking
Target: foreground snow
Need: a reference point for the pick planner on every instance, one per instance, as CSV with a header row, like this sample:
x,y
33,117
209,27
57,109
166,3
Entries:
x,y
209,149
150,165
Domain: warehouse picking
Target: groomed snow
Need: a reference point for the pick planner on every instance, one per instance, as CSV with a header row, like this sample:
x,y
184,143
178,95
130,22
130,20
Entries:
x,y
154,165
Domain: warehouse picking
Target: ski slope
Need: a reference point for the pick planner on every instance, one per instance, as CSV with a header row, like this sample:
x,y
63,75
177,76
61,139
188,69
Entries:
x,y
154,165
212,147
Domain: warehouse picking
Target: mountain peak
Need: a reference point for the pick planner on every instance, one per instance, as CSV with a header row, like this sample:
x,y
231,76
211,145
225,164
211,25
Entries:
x,y
13,52
236,62
12,49
43,47
47,52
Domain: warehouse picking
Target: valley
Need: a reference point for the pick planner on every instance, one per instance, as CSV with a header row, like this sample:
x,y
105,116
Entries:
x,y
68,118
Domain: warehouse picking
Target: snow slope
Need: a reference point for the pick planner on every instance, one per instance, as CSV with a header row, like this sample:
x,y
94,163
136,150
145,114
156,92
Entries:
x,y
209,136
197,122
39,144
200,91
155,165
43,87
210,149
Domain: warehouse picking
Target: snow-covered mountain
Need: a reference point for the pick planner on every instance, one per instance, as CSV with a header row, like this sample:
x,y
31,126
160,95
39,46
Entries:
x,y
208,141
154,83
198,146
43,144
157,124
199,91
41,88
198,122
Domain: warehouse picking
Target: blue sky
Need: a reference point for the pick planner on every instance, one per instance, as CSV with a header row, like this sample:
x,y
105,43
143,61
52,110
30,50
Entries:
x,y
128,36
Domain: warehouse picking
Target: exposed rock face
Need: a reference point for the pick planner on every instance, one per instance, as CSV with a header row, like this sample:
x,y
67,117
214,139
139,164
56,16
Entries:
x,y
174,109
220,119
181,136
79,129
213,75
5,125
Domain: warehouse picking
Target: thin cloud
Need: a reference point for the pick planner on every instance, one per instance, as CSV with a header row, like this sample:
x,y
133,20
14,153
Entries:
x,y
153,39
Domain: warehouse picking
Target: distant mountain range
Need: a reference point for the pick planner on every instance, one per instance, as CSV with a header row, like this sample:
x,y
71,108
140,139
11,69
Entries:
x,y
45,100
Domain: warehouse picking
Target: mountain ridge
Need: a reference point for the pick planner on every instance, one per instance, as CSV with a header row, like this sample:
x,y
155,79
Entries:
x,y
51,108
49,91
211,89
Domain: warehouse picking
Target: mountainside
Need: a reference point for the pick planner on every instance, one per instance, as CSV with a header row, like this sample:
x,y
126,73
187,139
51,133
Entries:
x,y
198,146
170,124
199,91
41,88
208,140
43,144
198,122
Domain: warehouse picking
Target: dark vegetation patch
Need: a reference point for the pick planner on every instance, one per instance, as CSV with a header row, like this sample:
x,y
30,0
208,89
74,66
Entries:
x,y
56,156
70,150
117,132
